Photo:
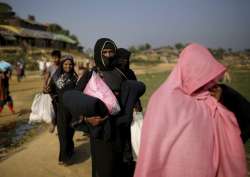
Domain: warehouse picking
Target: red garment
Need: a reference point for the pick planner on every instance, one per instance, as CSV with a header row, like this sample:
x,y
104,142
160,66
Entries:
x,y
3,95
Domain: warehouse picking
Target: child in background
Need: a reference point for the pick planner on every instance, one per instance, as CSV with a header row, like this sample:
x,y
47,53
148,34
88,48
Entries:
x,y
81,71
4,91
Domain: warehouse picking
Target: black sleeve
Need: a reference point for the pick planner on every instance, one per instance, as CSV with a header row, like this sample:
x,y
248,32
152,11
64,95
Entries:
x,y
130,93
131,75
52,87
82,82
240,106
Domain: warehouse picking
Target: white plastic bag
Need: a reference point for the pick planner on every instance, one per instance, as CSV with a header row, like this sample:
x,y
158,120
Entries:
x,y
42,109
96,87
135,128
35,115
48,110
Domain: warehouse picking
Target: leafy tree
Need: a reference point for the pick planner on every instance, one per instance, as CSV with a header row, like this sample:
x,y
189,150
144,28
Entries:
x,y
74,38
211,50
5,8
141,47
247,51
54,28
179,46
32,18
147,46
132,49
219,53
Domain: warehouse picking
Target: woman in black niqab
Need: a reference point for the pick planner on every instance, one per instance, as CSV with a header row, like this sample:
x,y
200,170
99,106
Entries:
x,y
104,63
122,63
107,138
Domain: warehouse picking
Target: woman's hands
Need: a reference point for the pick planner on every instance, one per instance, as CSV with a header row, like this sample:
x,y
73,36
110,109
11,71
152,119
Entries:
x,y
94,120
216,92
46,89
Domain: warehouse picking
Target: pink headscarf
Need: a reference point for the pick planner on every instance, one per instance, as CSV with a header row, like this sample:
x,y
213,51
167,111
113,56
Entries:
x,y
186,132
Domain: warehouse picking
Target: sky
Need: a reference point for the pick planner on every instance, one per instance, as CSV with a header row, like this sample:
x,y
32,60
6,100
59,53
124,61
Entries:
x,y
213,23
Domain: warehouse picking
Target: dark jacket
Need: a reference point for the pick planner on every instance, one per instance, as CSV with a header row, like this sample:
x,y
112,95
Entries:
x,y
240,106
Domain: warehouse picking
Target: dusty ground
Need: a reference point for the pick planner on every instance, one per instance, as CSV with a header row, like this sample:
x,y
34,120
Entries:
x,y
39,159
22,94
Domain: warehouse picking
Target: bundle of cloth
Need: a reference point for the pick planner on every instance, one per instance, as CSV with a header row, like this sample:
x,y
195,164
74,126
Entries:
x,y
79,104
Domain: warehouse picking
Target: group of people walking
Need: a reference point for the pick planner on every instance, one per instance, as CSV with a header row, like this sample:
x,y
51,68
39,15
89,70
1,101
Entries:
x,y
188,130
6,70
110,143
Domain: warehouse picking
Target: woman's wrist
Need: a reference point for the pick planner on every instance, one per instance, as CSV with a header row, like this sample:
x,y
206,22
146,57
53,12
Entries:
x,y
85,120
105,117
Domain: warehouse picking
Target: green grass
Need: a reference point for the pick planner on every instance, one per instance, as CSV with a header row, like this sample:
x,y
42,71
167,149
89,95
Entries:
x,y
152,82
240,82
145,62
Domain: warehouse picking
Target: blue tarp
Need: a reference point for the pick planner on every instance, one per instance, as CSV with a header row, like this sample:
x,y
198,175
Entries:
x,y
4,65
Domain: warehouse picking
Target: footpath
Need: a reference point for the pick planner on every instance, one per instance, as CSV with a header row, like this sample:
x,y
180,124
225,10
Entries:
x,y
39,159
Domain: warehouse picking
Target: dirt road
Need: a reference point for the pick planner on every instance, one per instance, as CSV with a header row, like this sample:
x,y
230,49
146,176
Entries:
x,y
22,93
39,159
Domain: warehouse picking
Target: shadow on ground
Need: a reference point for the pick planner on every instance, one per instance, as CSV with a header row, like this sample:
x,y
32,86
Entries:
x,y
82,151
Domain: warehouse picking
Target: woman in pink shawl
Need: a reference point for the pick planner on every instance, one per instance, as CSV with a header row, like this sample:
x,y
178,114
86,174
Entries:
x,y
187,132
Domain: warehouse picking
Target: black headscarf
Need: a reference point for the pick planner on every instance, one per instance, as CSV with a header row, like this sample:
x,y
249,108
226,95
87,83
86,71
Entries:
x,y
61,78
104,66
100,62
122,61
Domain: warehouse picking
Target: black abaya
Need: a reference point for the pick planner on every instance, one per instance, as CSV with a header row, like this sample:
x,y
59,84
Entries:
x,y
63,119
240,106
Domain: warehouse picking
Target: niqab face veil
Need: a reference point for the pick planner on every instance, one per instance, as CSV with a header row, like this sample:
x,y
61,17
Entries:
x,y
102,63
123,57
